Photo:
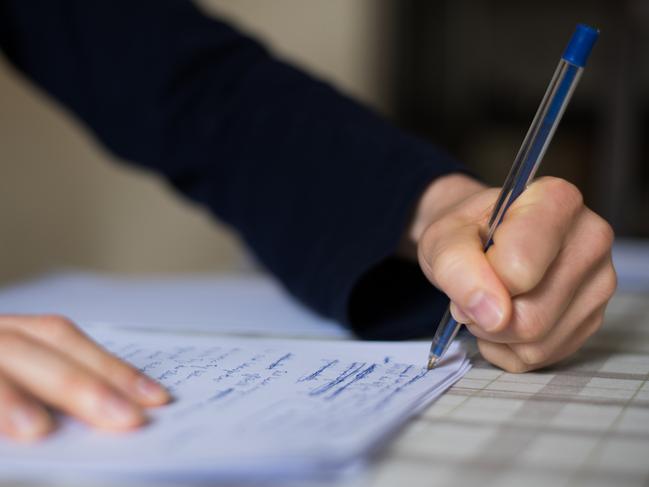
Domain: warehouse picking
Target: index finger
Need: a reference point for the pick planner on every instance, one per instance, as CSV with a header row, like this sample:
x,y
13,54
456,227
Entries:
x,y
451,256
62,335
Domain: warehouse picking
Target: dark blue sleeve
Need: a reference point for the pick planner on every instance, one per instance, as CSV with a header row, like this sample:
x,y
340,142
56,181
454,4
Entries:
x,y
319,187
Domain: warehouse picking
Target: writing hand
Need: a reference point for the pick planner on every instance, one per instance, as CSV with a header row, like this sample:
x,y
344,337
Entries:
x,y
541,290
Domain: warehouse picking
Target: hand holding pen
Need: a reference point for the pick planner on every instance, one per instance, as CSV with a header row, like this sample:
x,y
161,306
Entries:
x,y
541,289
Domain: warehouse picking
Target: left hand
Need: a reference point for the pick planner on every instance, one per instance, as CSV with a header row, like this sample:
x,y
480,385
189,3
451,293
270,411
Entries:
x,y
541,290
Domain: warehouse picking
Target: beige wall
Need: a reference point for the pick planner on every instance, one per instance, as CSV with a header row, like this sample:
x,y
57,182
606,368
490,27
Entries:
x,y
65,203
344,41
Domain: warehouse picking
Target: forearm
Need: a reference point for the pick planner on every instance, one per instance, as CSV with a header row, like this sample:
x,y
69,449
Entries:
x,y
318,186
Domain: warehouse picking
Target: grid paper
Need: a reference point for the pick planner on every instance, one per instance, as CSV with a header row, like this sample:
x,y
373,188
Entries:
x,y
583,423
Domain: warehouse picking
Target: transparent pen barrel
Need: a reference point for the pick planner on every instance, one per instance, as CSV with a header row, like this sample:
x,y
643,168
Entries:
x,y
529,156
527,161
448,328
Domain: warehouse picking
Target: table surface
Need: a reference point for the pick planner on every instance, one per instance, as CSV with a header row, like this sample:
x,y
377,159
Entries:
x,y
584,423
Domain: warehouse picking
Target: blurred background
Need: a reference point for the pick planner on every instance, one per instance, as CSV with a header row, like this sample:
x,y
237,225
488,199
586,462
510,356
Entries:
x,y
466,74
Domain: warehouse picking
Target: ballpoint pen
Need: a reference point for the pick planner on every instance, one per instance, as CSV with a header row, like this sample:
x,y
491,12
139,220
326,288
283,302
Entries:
x,y
539,135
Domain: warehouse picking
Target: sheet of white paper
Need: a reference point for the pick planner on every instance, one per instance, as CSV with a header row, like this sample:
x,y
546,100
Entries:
x,y
631,260
247,408
241,304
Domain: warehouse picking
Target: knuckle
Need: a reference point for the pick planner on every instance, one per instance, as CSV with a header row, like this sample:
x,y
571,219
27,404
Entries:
x,y
444,264
56,325
532,354
516,367
603,235
425,249
595,326
433,230
519,272
532,323
563,192
508,361
604,289
532,330
610,283
429,241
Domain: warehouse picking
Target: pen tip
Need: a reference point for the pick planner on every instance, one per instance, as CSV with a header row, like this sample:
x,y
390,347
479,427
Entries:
x,y
432,362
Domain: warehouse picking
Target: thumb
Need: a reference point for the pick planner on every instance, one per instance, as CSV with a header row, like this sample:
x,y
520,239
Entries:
x,y
451,256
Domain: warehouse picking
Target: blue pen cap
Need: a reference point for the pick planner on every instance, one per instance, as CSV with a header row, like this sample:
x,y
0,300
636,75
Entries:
x,y
580,45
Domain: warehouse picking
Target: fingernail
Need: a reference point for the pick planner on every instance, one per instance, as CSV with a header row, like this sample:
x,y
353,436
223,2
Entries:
x,y
150,390
119,410
459,315
28,422
484,310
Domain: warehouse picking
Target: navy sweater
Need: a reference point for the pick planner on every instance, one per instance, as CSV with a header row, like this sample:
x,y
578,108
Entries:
x,y
318,186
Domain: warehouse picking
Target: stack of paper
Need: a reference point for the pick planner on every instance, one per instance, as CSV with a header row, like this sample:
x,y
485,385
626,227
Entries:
x,y
247,409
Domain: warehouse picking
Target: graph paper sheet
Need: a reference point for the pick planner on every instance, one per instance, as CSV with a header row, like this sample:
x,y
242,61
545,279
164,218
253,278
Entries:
x,y
585,423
